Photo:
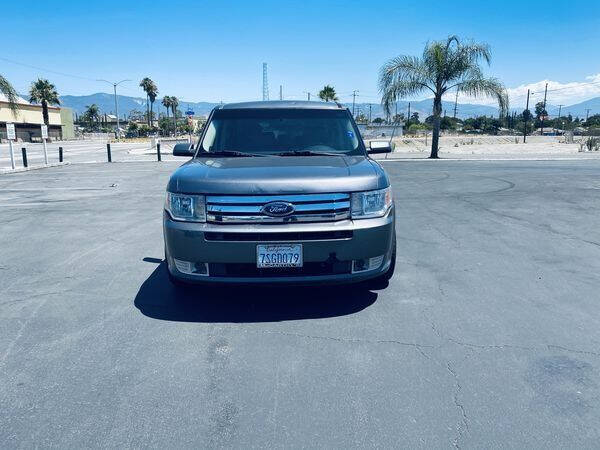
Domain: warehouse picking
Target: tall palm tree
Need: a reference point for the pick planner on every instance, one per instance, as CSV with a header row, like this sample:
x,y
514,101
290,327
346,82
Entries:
x,y
328,93
166,102
149,88
152,94
174,105
10,94
444,65
44,92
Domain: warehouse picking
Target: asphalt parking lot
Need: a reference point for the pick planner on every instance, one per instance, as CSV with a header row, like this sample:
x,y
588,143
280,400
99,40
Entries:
x,y
488,335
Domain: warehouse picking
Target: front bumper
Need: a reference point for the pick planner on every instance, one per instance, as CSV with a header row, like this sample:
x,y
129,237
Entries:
x,y
328,250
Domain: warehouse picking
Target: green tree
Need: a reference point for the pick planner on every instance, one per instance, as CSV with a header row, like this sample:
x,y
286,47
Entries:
x,y
174,105
152,94
43,92
398,118
147,85
10,94
167,103
540,110
414,118
444,66
151,91
91,116
593,121
328,93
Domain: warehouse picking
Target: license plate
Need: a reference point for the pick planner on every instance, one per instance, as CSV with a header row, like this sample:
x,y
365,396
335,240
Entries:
x,y
279,255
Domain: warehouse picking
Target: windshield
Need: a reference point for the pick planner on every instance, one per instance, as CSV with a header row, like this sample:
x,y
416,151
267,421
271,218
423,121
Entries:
x,y
281,131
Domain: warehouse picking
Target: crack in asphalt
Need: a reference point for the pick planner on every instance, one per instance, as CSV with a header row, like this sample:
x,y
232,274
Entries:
x,y
348,340
463,426
581,352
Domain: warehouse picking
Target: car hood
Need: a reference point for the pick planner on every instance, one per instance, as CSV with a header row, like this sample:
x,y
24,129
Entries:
x,y
278,175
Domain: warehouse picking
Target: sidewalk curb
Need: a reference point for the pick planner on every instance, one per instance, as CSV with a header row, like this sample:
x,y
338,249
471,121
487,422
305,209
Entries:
x,y
27,169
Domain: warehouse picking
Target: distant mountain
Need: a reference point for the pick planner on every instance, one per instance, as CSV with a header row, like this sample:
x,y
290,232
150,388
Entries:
x,y
425,107
579,109
106,103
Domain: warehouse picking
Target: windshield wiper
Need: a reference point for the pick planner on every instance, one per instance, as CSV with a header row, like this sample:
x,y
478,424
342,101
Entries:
x,y
307,153
228,153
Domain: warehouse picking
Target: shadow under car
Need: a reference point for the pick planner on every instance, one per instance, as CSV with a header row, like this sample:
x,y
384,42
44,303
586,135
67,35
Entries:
x,y
159,299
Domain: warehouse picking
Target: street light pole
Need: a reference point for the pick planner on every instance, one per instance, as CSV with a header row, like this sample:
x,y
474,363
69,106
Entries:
x,y
116,103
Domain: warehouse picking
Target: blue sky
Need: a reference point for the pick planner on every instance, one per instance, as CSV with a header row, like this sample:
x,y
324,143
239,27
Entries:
x,y
214,51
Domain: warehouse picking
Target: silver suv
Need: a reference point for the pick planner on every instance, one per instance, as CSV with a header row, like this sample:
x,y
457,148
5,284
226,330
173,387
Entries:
x,y
279,192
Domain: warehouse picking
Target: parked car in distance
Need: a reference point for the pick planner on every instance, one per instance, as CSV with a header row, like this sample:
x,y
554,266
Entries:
x,y
279,192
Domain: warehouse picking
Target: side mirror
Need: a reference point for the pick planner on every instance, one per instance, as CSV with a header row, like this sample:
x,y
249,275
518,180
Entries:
x,y
381,147
184,149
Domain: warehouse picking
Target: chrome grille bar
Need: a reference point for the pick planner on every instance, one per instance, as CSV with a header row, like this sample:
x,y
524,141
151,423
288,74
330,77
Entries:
x,y
299,207
248,208
262,199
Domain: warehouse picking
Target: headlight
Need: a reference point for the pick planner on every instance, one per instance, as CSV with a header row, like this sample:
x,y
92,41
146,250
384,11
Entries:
x,y
371,203
189,208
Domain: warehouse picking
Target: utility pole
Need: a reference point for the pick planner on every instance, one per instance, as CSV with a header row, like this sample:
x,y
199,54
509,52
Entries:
x,y
116,104
353,101
587,114
280,92
265,95
542,128
370,112
396,113
455,103
308,94
526,117
559,110
408,117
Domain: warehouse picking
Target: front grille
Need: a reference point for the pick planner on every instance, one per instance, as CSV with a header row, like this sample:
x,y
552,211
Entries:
x,y
251,271
282,237
249,208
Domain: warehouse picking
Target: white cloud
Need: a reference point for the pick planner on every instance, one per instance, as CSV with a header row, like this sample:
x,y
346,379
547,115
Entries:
x,y
558,93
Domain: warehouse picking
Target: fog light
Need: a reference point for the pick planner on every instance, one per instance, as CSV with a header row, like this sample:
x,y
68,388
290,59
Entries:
x,y
375,262
362,265
183,266
190,268
201,269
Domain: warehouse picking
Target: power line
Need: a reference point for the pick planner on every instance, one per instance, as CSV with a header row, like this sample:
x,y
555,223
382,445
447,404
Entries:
x,y
64,74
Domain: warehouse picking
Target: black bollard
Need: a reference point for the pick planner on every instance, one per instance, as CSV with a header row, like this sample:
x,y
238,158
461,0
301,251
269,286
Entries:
x,y
158,150
60,154
24,153
108,152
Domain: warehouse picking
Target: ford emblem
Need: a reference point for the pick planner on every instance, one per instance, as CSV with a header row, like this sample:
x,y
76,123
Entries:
x,y
278,209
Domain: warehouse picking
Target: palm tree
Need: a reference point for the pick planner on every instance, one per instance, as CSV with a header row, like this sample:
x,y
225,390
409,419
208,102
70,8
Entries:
x,y
174,105
444,65
152,94
44,92
151,90
328,93
91,115
166,101
10,94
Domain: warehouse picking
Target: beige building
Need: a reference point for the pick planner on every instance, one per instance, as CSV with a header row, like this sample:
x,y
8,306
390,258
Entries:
x,y
28,120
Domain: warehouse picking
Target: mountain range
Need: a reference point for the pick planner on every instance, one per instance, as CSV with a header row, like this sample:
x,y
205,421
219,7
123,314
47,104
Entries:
x,y
127,104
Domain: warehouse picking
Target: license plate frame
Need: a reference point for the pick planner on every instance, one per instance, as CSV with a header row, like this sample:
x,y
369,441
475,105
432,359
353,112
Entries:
x,y
277,256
